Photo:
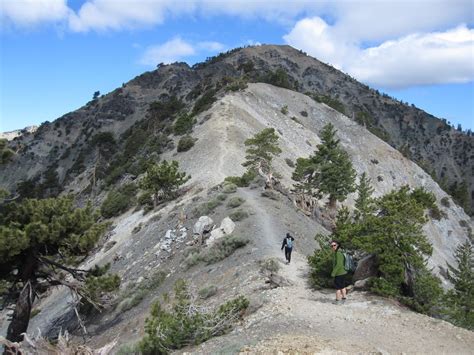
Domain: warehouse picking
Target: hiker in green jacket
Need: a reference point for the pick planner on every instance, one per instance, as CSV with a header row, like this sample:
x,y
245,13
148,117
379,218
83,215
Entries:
x,y
338,272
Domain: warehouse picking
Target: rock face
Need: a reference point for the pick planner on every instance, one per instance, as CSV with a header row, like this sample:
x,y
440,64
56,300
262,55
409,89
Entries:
x,y
365,268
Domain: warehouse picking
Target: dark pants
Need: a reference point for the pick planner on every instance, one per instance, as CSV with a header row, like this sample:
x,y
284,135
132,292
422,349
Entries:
x,y
288,253
340,282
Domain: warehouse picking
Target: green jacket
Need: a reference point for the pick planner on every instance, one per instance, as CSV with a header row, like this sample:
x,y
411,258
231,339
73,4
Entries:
x,y
338,264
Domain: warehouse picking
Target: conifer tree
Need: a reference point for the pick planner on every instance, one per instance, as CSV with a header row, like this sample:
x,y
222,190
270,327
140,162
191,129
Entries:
x,y
328,171
262,147
364,203
395,236
163,180
39,240
460,300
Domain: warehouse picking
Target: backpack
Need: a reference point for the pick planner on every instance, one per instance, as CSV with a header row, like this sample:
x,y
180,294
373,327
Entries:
x,y
289,243
349,263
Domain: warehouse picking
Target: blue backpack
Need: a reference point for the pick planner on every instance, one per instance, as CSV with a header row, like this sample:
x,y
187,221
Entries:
x,y
289,243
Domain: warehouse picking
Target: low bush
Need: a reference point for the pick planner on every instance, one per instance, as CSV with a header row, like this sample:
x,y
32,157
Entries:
x,y
242,181
235,202
207,208
118,201
220,250
445,202
135,293
238,215
184,124
321,263
185,324
289,162
229,187
207,292
185,144
284,110
269,266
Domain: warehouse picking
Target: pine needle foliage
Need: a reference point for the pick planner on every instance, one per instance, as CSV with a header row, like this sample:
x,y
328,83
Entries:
x,y
163,180
460,300
364,203
262,147
184,323
328,171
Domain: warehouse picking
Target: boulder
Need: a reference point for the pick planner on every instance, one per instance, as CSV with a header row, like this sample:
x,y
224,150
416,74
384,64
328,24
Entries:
x,y
227,225
204,224
361,284
226,228
365,268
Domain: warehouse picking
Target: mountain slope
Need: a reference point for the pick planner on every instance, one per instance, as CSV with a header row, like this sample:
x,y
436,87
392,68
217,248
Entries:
x,y
291,314
65,146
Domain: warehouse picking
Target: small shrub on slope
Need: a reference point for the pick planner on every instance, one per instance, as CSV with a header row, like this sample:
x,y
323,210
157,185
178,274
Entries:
x,y
184,324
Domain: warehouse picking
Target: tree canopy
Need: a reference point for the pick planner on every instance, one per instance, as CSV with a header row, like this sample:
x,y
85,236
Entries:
x,y
328,171
163,180
39,241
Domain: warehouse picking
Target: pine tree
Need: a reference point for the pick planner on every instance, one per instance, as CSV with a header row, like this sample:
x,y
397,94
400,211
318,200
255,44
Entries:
x,y
395,236
262,147
460,300
39,240
163,180
328,171
364,203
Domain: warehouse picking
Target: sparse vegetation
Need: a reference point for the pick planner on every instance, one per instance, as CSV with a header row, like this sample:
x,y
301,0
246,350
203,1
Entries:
x,y
229,188
235,202
6,154
118,201
238,215
185,324
134,294
207,292
284,110
184,124
206,208
220,250
205,102
242,181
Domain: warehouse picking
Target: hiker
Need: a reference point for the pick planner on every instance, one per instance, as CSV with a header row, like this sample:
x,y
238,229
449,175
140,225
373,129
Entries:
x,y
339,272
288,245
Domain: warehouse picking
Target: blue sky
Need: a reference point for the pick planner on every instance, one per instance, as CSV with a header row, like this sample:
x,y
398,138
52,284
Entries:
x,y
55,54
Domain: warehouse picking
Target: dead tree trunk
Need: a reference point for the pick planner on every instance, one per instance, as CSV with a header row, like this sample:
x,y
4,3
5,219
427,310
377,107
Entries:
x,y
21,315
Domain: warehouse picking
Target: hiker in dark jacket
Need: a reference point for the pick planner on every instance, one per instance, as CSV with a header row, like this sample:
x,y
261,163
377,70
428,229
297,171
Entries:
x,y
338,272
288,243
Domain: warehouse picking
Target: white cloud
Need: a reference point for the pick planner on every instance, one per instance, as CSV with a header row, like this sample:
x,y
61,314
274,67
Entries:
x,y
177,49
416,59
211,46
168,52
28,13
419,59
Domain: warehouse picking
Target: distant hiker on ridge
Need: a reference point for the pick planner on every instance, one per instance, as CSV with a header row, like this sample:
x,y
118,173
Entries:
x,y
338,272
288,245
